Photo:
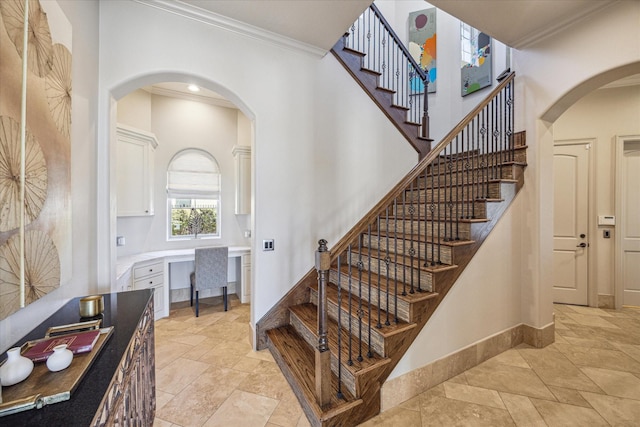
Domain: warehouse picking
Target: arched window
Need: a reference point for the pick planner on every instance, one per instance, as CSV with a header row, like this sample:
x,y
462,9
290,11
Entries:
x,y
193,195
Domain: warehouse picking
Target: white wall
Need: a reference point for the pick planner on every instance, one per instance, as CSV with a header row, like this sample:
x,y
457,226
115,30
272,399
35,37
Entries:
x,y
135,110
83,17
602,115
179,124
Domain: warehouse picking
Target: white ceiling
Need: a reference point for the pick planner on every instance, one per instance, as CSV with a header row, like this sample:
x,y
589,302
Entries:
x,y
521,23
319,23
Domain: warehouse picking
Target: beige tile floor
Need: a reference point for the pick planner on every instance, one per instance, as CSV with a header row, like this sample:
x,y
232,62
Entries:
x,y
208,375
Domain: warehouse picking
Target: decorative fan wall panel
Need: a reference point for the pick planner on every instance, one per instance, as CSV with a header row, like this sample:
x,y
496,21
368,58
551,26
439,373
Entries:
x,y
45,209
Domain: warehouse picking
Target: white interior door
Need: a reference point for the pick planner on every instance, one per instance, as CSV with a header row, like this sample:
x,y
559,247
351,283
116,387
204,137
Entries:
x,y
628,252
570,223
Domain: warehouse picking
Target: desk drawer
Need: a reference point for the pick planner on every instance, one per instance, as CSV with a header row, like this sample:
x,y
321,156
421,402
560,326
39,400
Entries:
x,y
149,282
147,270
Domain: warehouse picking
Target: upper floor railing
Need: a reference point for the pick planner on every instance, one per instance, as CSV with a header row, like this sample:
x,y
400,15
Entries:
x,y
385,54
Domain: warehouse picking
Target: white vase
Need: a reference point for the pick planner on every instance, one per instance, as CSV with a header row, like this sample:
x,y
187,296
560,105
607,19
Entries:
x,y
16,368
60,359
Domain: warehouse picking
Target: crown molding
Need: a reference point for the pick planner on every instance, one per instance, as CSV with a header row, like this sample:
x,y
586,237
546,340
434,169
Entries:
x,y
220,102
195,13
589,9
126,132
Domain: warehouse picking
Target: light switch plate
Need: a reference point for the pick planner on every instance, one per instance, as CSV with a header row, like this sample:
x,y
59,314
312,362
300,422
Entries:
x,y
267,245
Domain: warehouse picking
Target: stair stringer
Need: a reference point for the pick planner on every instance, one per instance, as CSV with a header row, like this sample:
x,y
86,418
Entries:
x,y
383,98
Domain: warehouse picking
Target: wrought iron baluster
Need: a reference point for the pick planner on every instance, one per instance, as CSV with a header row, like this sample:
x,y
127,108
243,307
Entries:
x,y
349,300
511,118
469,184
411,250
369,352
387,261
450,200
418,239
404,232
395,261
360,311
379,324
475,190
432,209
340,395
485,155
442,226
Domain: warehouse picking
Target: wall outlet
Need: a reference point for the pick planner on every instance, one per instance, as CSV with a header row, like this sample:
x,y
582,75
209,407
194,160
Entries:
x,y
247,233
120,241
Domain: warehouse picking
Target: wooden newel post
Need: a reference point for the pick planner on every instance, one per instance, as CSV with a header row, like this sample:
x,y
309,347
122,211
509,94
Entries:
x,y
425,110
323,355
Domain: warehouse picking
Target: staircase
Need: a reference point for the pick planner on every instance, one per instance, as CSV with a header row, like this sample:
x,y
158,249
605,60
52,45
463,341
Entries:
x,y
338,334
378,60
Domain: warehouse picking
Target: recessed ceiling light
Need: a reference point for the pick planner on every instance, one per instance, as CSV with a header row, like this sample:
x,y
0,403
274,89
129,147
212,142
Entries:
x,y
193,88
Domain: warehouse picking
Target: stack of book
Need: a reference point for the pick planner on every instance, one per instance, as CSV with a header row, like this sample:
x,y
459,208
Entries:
x,y
77,342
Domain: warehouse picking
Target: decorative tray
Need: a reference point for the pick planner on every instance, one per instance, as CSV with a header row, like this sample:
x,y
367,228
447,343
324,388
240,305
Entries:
x,y
44,387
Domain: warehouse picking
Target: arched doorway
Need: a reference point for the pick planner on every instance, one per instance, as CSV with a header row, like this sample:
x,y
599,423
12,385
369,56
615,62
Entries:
x,y
107,235
586,123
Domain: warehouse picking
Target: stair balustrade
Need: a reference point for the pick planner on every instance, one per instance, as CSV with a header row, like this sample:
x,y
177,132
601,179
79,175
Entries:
x,y
398,249
384,53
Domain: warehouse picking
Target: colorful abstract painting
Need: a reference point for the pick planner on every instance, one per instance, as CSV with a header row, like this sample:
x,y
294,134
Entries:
x,y
422,46
476,59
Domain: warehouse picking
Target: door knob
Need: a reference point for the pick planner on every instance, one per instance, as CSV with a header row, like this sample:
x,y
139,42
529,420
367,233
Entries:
x,y
582,236
582,245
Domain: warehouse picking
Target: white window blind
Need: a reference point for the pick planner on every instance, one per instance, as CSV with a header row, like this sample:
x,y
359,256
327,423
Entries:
x,y
193,174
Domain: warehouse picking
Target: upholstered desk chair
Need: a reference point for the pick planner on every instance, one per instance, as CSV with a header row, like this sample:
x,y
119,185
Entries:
x,y
211,272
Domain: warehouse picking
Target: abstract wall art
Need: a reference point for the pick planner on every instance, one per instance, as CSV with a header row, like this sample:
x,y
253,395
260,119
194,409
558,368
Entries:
x,y
476,68
422,47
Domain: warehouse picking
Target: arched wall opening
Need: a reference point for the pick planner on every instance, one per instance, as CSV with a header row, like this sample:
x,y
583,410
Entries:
x,y
581,89
107,196
561,128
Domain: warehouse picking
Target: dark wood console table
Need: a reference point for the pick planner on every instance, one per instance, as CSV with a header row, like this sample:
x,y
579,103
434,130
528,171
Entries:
x,y
119,388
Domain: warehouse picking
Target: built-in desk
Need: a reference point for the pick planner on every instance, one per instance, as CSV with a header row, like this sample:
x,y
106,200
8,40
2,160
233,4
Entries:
x,y
119,388
158,266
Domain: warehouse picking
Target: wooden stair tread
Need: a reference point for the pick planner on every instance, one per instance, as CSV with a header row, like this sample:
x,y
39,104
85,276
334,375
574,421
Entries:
x,y
386,331
368,70
308,314
405,260
353,51
299,360
378,281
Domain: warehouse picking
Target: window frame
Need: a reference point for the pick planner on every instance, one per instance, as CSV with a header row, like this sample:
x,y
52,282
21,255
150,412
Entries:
x,y
205,191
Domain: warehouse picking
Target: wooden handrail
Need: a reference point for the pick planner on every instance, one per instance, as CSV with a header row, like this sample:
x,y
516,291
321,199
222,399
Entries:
x,y
396,191
400,44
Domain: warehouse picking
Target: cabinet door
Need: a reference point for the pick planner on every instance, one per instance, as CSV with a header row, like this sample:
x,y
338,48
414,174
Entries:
x,y
158,300
242,156
245,297
135,172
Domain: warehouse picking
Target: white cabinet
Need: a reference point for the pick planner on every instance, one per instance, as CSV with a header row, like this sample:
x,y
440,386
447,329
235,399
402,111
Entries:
x,y
242,156
135,161
151,275
245,279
